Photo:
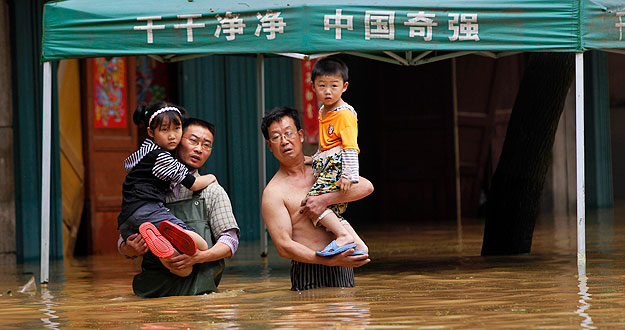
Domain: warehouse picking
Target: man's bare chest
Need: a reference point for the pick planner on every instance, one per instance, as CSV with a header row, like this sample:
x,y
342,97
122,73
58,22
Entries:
x,y
294,193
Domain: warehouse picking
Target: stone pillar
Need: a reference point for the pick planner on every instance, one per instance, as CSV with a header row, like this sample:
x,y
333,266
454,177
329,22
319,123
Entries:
x,y
7,188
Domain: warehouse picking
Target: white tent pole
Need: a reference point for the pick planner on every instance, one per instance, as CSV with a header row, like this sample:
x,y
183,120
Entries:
x,y
579,144
45,171
262,172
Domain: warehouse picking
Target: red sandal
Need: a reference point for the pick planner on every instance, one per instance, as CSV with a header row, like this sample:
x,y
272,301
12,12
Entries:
x,y
158,244
178,237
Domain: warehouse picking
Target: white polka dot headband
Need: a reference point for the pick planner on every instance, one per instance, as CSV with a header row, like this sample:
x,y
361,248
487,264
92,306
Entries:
x,y
161,110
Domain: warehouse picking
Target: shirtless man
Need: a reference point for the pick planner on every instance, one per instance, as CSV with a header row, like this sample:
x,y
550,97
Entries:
x,y
288,215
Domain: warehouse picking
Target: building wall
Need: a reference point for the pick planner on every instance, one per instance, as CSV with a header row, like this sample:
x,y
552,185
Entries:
x,y
7,196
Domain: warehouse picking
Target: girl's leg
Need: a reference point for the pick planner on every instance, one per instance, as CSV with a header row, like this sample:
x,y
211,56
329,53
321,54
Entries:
x,y
333,224
201,243
180,272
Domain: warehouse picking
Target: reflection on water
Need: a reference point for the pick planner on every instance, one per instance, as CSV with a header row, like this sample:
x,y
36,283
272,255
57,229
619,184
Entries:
x,y
48,311
421,276
584,304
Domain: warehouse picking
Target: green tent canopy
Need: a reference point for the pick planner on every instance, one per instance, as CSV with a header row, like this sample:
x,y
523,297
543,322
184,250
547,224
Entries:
x,y
397,31
80,28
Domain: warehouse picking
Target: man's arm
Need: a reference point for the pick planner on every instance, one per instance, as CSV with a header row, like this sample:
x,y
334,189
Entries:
x,y
313,206
278,221
223,226
216,252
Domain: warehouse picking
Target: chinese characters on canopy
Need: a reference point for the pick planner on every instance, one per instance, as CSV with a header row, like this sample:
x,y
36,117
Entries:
x,y
378,24
381,25
229,25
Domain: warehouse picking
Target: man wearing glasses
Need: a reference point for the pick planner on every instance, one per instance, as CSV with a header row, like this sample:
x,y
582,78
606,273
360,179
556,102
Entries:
x,y
288,213
209,211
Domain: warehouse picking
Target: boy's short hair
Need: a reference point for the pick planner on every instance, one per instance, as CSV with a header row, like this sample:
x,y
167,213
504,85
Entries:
x,y
198,122
275,115
330,66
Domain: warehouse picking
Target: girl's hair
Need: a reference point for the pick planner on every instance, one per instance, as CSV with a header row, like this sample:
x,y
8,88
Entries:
x,y
144,114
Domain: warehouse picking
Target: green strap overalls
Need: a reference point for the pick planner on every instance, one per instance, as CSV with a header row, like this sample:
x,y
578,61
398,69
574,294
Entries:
x,y
156,281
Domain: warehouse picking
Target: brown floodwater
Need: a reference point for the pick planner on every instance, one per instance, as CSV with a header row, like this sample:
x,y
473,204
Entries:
x,y
421,277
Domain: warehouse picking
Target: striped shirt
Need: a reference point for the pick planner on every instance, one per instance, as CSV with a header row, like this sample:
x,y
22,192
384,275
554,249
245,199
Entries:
x,y
350,164
166,167
151,169
146,147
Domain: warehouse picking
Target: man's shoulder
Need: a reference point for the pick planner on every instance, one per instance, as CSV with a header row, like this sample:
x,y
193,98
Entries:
x,y
281,184
214,187
275,188
272,187
214,191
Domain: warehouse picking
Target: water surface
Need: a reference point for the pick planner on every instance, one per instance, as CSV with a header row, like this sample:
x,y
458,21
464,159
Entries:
x,y
421,277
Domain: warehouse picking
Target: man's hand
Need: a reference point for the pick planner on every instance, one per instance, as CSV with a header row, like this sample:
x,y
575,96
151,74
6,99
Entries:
x,y
313,206
182,261
345,260
217,252
135,246
345,184
308,160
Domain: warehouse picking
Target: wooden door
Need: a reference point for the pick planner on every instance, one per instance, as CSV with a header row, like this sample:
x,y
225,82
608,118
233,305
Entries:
x,y
109,137
71,147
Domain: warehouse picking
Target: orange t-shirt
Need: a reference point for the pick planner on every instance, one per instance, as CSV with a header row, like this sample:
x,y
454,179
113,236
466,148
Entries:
x,y
338,128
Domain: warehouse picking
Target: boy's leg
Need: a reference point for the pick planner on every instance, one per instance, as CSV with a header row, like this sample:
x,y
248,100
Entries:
x,y
360,244
201,243
333,224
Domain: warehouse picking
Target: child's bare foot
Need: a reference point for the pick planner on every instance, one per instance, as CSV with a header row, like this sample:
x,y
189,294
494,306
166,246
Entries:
x,y
344,239
362,247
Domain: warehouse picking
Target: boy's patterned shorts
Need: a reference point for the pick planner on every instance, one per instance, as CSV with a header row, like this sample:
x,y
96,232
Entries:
x,y
327,168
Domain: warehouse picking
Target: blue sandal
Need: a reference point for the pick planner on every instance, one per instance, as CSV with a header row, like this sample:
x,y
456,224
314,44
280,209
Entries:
x,y
334,249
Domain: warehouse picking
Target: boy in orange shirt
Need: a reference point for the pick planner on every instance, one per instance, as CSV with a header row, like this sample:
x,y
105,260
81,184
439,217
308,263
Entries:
x,y
335,164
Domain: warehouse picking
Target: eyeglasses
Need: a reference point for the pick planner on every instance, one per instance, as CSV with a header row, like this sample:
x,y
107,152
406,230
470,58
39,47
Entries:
x,y
194,142
289,136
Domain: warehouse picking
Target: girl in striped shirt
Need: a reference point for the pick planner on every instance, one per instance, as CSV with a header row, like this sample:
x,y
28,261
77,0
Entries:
x,y
151,171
